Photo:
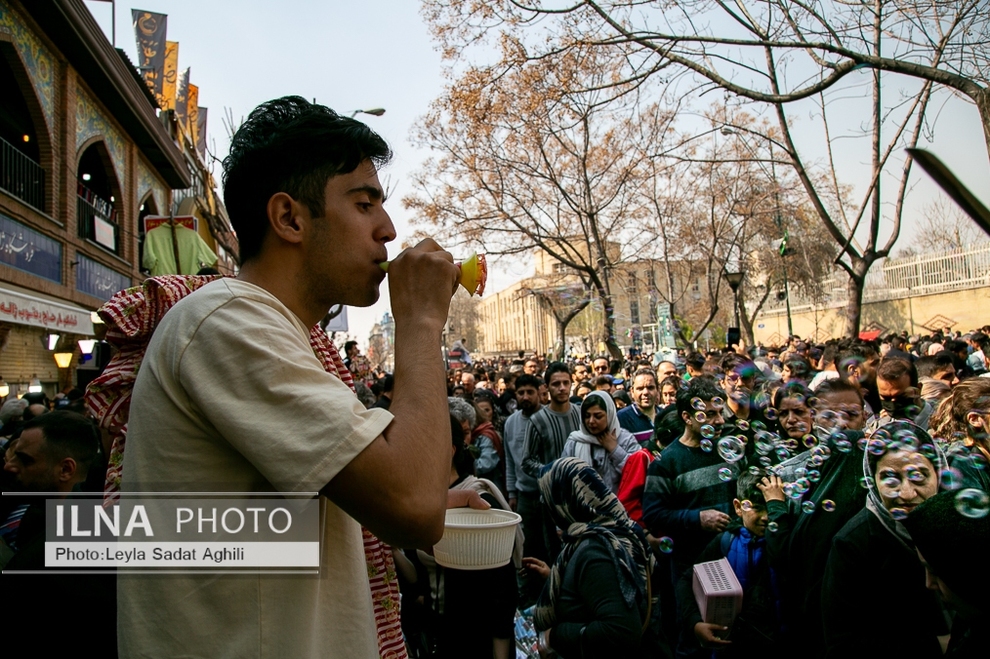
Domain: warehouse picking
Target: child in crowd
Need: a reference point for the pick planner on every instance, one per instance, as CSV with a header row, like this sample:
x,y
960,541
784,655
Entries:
x,y
755,631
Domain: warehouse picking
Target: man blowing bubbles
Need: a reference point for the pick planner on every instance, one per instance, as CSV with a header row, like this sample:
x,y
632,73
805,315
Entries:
x,y
230,396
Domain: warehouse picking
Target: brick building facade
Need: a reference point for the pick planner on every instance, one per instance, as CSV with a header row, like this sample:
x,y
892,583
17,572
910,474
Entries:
x,y
85,154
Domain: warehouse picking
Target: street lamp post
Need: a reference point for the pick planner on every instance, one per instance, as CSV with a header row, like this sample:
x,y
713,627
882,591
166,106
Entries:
x,y
735,280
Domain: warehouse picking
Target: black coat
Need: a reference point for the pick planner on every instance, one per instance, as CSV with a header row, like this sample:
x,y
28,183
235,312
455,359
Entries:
x,y
874,599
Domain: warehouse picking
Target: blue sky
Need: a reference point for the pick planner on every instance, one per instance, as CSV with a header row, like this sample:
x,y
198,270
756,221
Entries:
x,y
377,53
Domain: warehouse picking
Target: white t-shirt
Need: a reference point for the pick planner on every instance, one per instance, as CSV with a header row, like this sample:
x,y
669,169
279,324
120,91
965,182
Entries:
x,y
230,397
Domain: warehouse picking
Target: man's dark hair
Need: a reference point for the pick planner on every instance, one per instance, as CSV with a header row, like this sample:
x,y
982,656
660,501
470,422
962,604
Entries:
x,y
892,369
527,380
645,370
703,387
733,360
68,435
388,383
837,385
602,381
553,369
747,490
926,366
293,146
348,346
695,360
956,345
981,340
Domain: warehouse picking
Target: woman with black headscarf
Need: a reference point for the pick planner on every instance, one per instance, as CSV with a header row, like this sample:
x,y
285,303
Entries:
x,y
874,602
596,602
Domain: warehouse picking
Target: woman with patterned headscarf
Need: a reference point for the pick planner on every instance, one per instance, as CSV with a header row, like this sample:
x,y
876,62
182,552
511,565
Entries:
x,y
597,599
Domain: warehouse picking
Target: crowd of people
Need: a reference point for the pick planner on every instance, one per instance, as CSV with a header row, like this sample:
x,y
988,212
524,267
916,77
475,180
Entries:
x,y
800,464
845,484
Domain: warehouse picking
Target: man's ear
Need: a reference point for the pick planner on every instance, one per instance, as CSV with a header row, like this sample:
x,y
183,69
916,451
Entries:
x,y
286,217
65,471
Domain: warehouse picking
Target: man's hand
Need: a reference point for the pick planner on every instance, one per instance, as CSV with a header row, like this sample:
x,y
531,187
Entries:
x,y
714,520
513,503
707,635
421,281
772,488
466,499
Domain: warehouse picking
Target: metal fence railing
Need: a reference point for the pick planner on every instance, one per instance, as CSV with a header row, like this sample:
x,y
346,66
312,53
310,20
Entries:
x,y
892,279
21,176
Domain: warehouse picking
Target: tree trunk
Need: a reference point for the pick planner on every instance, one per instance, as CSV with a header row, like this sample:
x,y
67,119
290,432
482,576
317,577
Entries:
x,y
610,342
983,105
854,307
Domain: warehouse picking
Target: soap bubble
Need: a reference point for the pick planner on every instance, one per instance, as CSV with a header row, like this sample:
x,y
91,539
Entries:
x,y
842,445
770,413
809,441
742,424
753,469
800,472
891,483
814,475
700,417
706,445
698,404
972,503
666,545
977,461
828,505
725,474
914,474
765,460
758,425
876,446
928,451
808,507
950,478
707,431
789,491
866,482
718,403
772,527
763,442
898,514
746,505
730,448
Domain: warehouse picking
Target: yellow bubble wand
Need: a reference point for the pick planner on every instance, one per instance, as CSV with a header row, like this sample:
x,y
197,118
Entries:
x,y
474,273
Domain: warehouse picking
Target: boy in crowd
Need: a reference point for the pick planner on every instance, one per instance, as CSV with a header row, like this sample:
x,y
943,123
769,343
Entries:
x,y
743,543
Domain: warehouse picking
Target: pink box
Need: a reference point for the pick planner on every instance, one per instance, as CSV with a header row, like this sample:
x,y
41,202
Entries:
x,y
717,592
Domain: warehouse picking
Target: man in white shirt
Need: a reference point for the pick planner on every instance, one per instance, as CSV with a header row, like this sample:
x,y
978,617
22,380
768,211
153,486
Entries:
x,y
231,397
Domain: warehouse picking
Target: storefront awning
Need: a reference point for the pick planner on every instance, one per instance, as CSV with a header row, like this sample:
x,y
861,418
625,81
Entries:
x,y
869,335
26,307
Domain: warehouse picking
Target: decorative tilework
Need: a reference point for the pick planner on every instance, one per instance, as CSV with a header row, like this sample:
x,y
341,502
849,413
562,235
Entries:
x,y
37,59
148,181
90,122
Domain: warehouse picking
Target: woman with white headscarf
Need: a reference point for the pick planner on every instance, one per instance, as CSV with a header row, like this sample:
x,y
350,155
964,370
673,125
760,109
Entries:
x,y
601,442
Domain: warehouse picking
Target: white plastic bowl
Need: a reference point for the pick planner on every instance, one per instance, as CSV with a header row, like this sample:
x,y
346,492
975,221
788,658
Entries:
x,y
477,539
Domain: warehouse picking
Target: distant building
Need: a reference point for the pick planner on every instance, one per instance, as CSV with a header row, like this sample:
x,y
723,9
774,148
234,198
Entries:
x,y
518,318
